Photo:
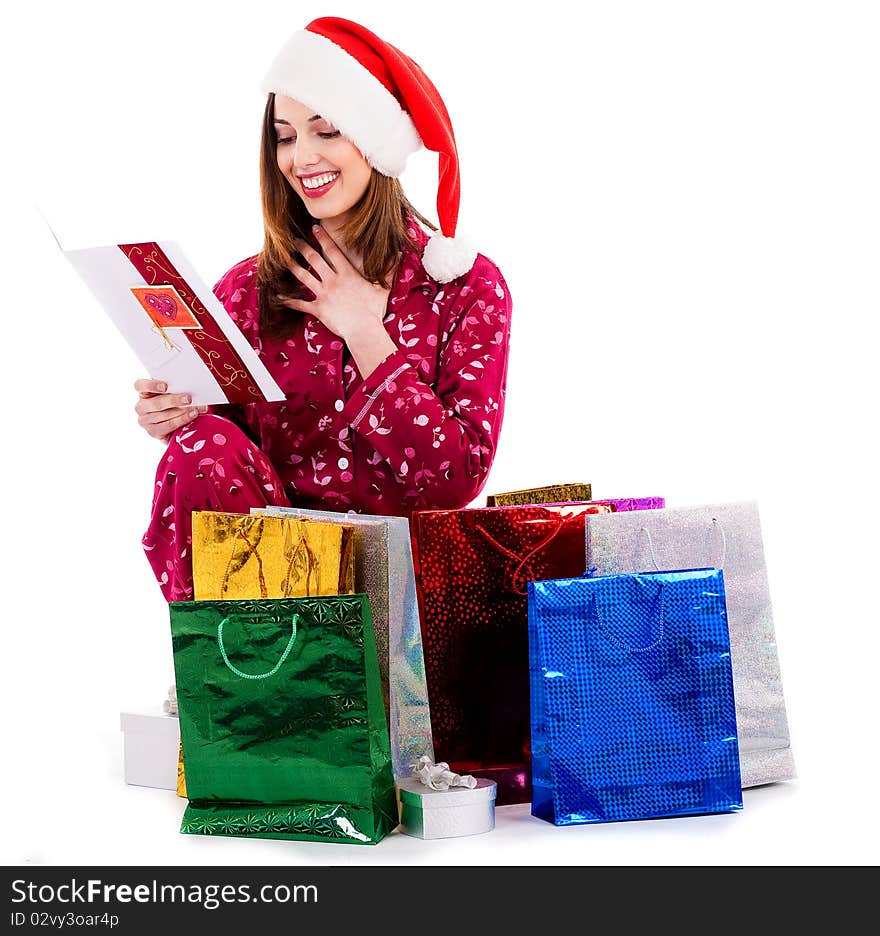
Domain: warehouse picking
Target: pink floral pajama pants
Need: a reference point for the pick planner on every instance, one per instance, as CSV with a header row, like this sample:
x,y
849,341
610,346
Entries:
x,y
208,465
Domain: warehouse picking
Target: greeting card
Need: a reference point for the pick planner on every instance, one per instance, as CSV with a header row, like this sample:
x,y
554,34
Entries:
x,y
174,323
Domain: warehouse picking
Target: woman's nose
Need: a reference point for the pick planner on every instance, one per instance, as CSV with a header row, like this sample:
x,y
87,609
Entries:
x,y
304,154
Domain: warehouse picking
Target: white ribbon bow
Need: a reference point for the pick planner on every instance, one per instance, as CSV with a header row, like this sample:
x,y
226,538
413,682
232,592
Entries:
x,y
169,706
439,776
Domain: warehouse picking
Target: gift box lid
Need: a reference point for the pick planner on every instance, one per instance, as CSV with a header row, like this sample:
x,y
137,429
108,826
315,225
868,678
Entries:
x,y
414,793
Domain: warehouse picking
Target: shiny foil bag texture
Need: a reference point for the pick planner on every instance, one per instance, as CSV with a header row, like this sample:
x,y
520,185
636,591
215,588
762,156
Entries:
x,y
727,536
550,494
383,569
242,556
632,713
472,567
281,719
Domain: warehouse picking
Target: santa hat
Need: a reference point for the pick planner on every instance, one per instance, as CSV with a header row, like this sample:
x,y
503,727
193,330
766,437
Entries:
x,y
387,106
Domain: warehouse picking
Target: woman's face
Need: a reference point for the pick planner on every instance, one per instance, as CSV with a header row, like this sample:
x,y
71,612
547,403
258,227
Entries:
x,y
327,171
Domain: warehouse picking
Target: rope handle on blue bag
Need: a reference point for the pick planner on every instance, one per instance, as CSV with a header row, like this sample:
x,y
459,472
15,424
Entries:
x,y
275,668
715,526
625,646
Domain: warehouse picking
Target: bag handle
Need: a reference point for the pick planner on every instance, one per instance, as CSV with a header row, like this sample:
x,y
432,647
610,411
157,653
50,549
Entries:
x,y
716,525
625,646
518,570
275,668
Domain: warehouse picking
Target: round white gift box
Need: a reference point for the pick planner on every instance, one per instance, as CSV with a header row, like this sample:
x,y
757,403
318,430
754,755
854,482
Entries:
x,y
430,814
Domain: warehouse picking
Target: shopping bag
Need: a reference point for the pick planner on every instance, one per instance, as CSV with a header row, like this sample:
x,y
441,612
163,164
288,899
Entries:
x,y
472,567
281,719
383,569
242,556
632,713
727,536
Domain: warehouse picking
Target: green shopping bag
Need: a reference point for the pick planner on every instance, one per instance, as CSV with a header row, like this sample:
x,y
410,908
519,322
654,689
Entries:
x,y
282,720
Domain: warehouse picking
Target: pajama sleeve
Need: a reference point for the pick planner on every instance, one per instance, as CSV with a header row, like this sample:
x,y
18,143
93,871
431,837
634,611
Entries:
x,y
439,439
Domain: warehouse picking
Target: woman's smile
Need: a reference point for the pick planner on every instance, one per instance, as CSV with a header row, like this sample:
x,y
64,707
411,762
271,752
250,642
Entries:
x,y
316,184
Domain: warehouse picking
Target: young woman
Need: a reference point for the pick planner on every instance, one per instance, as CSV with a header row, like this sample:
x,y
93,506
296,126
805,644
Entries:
x,y
391,346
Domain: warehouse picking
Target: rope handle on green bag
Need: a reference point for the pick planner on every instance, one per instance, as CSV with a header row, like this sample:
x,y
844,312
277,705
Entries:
x,y
715,525
624,646
275,668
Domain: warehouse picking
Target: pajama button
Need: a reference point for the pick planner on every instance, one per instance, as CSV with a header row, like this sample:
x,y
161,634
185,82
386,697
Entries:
x,y
343,462
339,406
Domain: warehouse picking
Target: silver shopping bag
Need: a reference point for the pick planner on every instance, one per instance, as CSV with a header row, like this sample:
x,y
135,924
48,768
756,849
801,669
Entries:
x,y
728,537
384,571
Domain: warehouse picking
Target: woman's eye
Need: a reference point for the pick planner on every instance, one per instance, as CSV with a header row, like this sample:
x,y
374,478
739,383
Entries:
x,y
324,135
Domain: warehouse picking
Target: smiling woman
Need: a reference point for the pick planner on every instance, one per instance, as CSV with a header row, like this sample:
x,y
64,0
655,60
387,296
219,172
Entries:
x,y
391,345
359,207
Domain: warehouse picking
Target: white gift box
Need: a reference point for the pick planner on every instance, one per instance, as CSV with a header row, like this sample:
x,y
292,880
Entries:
x,y
151,749
431,814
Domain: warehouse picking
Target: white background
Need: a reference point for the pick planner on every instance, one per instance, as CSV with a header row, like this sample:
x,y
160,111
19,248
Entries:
x,y
684,198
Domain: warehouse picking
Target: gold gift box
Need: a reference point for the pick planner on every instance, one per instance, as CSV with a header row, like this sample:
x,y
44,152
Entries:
x,y
551,494
239,556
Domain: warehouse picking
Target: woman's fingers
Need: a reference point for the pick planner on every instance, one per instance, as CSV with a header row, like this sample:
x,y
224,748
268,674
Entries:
x,y
315,259
148,387
154,403
162,430
168,415
335,257
295,304
320,269
306,278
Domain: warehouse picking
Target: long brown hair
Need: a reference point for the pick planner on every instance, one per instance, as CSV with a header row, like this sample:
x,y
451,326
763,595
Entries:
x,y
376,230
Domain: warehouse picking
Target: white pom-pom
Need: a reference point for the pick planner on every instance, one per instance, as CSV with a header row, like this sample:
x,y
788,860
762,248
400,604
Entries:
x,y
445,258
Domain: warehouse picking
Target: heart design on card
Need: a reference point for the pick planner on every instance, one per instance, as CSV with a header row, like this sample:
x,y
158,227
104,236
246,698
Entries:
x,y
165,306
162,304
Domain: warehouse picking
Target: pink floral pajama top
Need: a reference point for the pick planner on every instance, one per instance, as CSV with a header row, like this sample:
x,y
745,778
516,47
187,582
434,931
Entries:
x,y
421,430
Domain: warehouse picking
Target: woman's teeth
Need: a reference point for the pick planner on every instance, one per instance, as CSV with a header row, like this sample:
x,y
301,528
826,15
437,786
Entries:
x,y
314,182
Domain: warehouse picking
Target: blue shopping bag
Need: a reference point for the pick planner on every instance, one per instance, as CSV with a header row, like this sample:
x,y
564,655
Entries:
x,y
632,710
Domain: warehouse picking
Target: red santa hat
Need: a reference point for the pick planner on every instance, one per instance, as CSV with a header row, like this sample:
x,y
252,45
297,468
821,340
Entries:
x,y
383,102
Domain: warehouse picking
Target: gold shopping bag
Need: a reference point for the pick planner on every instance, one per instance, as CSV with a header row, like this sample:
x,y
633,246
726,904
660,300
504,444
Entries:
x,y
239,556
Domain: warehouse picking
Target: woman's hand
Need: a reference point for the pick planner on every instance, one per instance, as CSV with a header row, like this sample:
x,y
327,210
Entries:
x,y
349,305
162,413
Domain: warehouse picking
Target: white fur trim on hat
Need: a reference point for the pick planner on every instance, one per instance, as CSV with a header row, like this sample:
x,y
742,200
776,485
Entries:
x,y
446,258
318,73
